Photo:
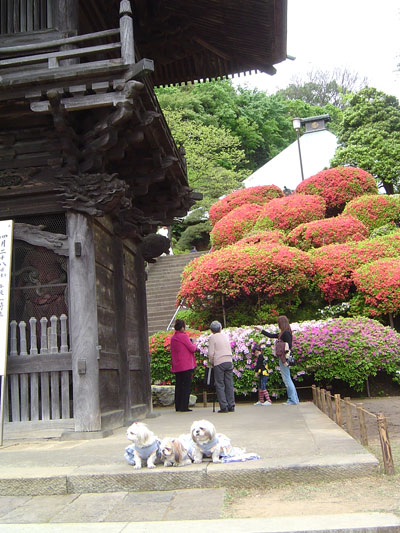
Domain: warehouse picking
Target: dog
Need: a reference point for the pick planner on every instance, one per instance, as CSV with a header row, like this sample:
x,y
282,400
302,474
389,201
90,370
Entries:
x,y
174,453
207,443
145,448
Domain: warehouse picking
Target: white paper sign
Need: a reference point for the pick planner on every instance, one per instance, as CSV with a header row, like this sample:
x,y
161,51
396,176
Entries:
x,y
6,239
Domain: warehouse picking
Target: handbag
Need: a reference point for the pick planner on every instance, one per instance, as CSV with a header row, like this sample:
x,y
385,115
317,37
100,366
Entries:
x,y
281,350
209,377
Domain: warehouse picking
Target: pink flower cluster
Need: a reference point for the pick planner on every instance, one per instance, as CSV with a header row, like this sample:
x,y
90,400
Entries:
x,y
288,212
252,195
327,231
338,186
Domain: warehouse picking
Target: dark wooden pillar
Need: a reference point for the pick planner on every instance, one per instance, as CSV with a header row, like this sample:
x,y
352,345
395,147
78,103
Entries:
x,y
66,15
120,327
83,323
143,331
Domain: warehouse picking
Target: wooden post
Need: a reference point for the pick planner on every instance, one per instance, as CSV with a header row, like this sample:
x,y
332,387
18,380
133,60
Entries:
x,y
363,426
83,323
323,401
339,420
319,398
126,31
314,394
204,398
329,404
349,420
385,445
223,310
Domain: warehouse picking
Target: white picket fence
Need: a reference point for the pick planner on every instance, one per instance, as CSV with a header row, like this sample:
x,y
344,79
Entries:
x,y
39,380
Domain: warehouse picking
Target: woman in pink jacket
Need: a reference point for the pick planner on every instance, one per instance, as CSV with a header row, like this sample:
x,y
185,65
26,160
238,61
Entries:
x,y
183,363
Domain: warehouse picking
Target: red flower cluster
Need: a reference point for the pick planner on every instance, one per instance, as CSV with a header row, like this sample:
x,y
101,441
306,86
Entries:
x,y
234,225
336,263
379,283
253,195
338,186
327,231
274,236
288,212
375,210
240,271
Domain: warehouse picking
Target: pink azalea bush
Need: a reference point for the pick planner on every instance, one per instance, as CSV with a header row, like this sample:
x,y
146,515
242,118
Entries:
x,y
240,271
233,226
288,212
379,284
335,264
375,210
327,231
252,195
338,186
274,236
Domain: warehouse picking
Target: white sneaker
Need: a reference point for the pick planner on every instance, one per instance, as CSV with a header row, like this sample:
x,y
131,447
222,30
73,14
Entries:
x,y
266,403
258,403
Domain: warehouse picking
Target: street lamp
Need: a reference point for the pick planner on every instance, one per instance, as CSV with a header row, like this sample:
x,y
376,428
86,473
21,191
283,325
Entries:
x,y
297,122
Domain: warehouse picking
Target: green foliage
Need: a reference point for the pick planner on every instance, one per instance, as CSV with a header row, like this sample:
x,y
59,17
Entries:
x,y
195,235
369,137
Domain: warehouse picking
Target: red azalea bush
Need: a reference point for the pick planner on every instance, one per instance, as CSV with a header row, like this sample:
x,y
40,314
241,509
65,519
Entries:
x,y
241,271
336,263
233,226
288,212
327,231
338,186
253,195
379,284
274,236
375,210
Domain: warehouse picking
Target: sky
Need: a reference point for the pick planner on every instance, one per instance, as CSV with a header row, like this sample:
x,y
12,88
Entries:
x,y
362,36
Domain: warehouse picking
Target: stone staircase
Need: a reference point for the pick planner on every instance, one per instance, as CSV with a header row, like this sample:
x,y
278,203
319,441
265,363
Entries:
x,y
162,286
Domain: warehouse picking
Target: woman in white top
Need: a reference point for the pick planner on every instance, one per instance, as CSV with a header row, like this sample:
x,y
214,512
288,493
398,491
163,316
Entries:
x,y
220,355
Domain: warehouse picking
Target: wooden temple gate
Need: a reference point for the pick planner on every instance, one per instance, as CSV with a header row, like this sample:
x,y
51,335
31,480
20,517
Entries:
x,y
83,140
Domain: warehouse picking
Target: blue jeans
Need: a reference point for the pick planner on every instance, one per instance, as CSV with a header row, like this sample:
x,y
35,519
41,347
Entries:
x,y
263,382
293,399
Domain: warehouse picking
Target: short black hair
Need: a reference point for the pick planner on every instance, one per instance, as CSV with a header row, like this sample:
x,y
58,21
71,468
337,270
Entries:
x,y
179,324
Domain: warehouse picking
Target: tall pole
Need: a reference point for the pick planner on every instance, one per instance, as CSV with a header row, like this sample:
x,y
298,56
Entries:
x,y
301,162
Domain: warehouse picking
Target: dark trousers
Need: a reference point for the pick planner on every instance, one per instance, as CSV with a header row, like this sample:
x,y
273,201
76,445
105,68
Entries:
x,y
183,386
223,376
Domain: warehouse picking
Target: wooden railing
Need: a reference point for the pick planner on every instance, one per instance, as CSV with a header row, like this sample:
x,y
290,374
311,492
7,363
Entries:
x,y
39,377
344,412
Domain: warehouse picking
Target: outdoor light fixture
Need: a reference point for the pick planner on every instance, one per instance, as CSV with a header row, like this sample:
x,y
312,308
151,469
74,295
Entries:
x,y
297,123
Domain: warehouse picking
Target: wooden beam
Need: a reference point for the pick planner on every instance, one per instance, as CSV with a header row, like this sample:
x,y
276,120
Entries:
x,y
77,103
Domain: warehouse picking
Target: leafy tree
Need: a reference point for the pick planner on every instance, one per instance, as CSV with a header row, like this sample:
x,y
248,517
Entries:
x,y
369,137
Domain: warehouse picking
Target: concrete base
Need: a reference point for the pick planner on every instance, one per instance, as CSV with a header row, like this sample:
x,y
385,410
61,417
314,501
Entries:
x,y
86,435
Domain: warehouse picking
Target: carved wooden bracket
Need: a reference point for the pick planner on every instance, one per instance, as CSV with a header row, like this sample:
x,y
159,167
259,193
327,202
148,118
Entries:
x,y
94,194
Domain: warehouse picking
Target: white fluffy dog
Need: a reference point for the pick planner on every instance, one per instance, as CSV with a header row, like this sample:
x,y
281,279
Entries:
x,y
174,452
207,442
146,446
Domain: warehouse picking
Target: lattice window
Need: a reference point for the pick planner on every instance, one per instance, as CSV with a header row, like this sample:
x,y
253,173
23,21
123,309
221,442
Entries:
x,y
39,282
21,16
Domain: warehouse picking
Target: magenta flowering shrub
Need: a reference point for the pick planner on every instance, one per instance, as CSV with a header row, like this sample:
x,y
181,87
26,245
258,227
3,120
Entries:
x,y
379,284
252,195
327,231
288,212
375,210
233,226
338,186
350,350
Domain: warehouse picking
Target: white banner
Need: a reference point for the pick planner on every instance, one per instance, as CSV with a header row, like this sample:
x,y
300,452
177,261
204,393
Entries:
x,y
6,239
